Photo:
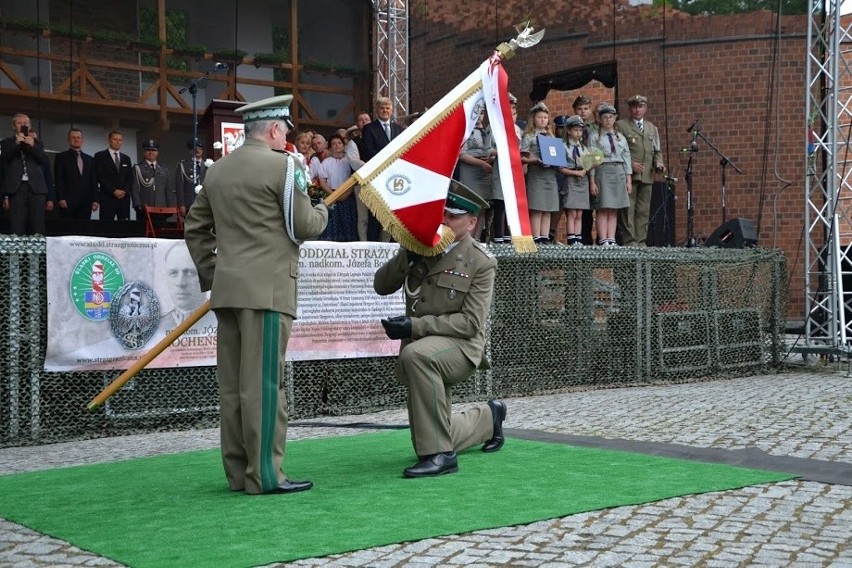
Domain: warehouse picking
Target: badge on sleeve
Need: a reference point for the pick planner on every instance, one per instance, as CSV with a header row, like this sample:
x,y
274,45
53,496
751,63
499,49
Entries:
x,y
301,180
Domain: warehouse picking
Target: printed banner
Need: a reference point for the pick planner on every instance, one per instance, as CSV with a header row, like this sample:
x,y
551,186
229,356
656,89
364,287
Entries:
x,y
110,300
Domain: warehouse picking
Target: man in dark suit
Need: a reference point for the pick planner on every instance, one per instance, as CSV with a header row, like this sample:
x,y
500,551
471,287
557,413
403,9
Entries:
x,y
377,135
114,173
24,188
186,179
74,179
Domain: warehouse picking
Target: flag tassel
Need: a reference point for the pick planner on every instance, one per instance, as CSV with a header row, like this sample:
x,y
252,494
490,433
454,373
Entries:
x,y
524,243
397,230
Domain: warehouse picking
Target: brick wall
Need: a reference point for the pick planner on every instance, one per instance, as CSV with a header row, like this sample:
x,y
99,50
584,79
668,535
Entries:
x,y
717,68
119,17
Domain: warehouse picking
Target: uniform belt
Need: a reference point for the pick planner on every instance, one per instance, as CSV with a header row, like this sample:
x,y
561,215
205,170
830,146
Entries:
x,y
612,164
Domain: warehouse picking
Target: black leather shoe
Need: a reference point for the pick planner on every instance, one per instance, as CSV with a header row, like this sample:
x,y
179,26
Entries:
x,y
433,465
292,487
498,414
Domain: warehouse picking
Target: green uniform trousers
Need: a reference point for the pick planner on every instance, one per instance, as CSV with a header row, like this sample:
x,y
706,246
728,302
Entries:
x,y
633,221
250,349
429,367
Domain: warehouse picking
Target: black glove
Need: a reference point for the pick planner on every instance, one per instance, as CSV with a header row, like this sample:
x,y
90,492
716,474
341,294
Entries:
x,y
413,257
398,327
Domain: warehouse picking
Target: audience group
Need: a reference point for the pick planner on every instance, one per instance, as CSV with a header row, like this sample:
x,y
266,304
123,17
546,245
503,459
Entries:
x,y
603,188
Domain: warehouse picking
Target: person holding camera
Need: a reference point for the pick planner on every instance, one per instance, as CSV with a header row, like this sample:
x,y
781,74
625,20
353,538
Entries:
x,y
25,191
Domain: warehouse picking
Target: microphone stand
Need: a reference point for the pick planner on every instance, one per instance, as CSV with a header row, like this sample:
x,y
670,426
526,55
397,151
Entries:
x,y
723,162
690,210
193,91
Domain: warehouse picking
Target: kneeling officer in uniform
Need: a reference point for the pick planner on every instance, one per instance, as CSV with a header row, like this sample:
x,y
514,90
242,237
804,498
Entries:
x,y
447,298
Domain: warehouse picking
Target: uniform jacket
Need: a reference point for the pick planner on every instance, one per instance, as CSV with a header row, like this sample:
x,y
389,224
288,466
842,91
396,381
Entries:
x,y
160,193
236,235
71,185
111,178
454,295
12,155
644,147
183,181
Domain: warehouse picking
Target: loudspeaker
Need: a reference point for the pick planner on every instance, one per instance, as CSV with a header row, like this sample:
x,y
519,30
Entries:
x,y
736,233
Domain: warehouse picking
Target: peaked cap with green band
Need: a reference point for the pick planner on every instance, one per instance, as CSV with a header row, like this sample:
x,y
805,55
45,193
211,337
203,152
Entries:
x,y
273,108
461,199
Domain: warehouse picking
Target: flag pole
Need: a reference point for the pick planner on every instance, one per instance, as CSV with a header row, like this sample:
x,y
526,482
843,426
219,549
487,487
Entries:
x,y
526,38
338,194
149,356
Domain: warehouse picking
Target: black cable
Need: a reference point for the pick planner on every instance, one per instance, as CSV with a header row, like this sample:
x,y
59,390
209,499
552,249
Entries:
x,y
38,66
71,61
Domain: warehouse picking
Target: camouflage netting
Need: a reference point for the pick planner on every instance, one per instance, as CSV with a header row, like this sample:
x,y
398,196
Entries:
x,y
561,318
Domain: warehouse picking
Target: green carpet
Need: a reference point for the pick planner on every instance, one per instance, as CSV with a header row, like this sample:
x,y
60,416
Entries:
x,y
176,510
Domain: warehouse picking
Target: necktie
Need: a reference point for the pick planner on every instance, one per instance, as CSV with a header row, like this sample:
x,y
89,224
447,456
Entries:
x,y
640,125
80,162
611,143
387,130
586,134
576,156
117,160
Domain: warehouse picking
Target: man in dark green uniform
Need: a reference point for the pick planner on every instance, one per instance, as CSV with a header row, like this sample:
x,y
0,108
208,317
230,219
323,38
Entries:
x,y
243,233
447,299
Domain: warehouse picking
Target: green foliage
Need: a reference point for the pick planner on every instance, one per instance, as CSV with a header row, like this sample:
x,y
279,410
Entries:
x,y
176,26
331,67
273,58
281,46
196,50
22,25
75,32
235,55
706,7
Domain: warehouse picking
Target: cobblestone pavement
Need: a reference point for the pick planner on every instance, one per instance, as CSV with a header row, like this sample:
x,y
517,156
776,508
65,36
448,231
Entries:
x,y
803,414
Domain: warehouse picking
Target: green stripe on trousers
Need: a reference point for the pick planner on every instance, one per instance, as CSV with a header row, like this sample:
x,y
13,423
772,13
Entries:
x,y
269,398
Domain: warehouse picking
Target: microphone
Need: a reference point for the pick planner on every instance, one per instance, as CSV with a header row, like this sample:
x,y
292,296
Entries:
x,y
670,178
224,67
691,126
693,146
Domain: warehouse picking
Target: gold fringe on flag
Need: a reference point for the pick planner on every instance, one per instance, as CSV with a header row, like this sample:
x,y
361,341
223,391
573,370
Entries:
x,y
524,243
390,223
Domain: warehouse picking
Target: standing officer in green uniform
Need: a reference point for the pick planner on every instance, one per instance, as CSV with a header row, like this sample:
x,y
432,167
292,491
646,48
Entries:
x,y
243,233
643,139
447,299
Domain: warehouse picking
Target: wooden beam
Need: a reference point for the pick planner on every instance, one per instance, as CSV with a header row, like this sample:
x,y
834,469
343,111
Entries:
x,y
12,76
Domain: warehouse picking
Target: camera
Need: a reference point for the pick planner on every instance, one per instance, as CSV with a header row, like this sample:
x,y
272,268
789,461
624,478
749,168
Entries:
x,y
25,130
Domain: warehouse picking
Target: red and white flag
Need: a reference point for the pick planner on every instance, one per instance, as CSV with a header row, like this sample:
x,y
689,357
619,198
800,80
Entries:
x,y
405,185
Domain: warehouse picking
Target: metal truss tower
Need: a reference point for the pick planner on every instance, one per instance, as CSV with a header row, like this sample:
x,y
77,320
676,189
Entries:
x,y
391,53
828,180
